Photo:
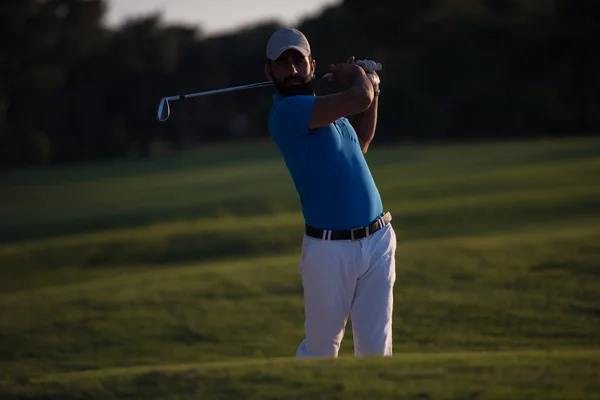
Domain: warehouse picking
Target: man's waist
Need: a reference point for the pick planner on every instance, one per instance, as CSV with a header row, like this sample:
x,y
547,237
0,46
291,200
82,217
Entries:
x,y
355,233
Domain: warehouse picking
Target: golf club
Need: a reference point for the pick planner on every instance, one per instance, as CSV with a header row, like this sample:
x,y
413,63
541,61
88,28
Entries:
x,y
164,109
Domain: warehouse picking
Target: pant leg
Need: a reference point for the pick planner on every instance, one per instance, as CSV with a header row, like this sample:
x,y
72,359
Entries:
x,y
329,270
373,303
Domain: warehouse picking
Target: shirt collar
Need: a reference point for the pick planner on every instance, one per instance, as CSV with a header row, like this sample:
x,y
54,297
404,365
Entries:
x,y
278,96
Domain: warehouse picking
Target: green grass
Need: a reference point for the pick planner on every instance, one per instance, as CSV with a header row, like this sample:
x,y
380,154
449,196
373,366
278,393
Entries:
x,y
473,375
177,277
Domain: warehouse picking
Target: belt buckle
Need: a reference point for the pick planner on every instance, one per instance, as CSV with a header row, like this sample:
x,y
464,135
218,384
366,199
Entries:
x,y
356,229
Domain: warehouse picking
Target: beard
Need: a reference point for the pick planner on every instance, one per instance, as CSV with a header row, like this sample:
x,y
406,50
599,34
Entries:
x,y
294,85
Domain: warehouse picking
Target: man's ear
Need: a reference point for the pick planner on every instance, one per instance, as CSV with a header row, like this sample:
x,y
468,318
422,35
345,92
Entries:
x,y
313,64
268,71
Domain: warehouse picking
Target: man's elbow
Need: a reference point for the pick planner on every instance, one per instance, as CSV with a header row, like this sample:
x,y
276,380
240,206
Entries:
x,y
367,98
363,98
364,146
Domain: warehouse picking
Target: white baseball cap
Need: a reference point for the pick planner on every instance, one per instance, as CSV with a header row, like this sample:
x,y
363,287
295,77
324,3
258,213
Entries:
x,y
287,38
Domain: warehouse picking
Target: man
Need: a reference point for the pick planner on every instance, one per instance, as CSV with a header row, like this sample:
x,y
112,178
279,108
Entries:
x,y
349,245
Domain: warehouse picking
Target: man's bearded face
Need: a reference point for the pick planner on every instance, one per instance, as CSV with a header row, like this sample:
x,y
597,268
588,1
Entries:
x,y
294,85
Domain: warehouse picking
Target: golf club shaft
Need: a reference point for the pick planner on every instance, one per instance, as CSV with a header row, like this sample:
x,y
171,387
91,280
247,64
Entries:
x,y
164,109
231,89
209,92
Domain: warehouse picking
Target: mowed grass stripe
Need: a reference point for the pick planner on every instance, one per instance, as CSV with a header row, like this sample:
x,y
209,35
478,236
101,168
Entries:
x,y
175,277
470,375
490,358
223,223
66,270
415,183
102,191
508,241
573,194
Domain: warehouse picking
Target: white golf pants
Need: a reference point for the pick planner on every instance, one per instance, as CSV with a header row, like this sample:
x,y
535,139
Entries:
x,y
342,278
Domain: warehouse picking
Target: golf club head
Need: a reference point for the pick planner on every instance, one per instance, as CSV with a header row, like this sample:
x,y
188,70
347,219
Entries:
x,y
164,110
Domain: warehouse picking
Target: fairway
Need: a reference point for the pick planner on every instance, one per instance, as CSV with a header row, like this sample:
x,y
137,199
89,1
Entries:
x,y
176,277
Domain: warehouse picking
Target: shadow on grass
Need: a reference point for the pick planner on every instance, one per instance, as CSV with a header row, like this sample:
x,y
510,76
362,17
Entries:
x,y
241,207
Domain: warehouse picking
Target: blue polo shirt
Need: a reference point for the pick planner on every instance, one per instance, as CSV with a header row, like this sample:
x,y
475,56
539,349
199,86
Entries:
x,y
330,173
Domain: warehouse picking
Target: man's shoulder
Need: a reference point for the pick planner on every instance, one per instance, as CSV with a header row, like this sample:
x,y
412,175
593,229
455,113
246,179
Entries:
x,y
291,113
292,103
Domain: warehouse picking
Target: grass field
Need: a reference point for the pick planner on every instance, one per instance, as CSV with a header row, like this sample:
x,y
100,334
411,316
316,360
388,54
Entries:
x,y
177,277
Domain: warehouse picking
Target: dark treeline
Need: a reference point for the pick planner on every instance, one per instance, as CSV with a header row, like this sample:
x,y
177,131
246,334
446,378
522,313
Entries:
x,y
73,90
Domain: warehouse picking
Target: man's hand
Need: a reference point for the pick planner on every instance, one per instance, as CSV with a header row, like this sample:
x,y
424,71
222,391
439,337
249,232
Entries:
x,y
345,73
370,67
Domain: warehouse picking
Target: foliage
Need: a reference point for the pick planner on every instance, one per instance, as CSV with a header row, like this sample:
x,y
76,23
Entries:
x,y
73,90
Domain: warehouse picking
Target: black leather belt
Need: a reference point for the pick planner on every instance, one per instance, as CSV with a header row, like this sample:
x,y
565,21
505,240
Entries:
x,y
353,234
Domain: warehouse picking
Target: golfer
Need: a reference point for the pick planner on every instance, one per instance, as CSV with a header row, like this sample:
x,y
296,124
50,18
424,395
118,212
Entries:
x,y
348,250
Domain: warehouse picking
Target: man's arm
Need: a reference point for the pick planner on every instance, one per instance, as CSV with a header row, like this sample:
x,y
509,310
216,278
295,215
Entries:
x,y
365,124
354,100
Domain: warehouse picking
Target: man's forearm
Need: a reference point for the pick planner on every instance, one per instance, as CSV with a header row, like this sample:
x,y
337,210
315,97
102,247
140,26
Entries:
x,y
365,124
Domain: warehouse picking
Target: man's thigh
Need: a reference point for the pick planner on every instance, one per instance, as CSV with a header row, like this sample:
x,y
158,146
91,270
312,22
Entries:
x,y
373,303
329,272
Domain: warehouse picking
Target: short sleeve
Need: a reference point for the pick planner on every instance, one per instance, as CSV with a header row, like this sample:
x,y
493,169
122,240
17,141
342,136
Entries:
x,y
290,116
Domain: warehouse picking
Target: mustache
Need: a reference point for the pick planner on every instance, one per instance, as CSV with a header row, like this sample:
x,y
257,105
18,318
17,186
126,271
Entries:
x,y
294,78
